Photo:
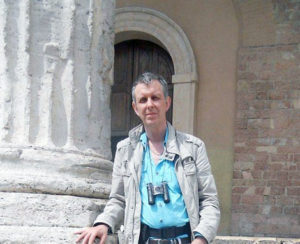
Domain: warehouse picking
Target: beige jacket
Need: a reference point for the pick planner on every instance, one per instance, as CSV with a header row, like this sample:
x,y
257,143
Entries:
x,y
193,173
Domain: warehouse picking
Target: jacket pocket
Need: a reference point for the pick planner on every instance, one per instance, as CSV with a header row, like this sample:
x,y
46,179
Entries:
x,y
189,167
191,191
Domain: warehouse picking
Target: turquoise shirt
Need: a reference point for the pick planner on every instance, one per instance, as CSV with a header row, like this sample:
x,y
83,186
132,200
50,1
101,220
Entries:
x,y
161,214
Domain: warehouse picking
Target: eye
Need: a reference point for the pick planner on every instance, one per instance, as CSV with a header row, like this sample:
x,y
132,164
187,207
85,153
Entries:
x,y
155,98
143,100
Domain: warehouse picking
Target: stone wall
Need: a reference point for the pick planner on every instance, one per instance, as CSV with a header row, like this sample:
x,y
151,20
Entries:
x,y
266,186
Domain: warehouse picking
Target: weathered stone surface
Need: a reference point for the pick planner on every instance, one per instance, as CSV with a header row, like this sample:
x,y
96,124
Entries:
x,y
46,210
37,235
60,172
269,22
56,72
265,180
56,64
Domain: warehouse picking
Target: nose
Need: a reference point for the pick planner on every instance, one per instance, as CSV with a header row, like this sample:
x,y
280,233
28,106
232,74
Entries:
x,y
149,103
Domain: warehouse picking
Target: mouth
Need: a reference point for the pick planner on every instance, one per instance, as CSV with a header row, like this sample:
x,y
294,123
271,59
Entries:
x,y
150,114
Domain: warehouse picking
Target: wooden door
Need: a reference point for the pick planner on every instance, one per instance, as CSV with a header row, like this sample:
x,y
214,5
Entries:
x,y
133,58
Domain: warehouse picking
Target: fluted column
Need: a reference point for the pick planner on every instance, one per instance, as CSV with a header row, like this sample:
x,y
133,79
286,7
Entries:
x,y
55,77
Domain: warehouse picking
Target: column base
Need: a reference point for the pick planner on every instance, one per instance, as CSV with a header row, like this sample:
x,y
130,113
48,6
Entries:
x,y
61,172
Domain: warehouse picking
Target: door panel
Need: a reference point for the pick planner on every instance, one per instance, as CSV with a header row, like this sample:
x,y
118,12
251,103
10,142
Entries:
x,y
120,103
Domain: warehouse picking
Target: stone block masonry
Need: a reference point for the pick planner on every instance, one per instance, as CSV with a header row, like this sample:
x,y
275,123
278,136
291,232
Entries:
x,y
266,177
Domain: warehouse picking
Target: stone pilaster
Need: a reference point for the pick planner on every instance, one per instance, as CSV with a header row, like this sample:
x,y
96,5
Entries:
x,y
55,77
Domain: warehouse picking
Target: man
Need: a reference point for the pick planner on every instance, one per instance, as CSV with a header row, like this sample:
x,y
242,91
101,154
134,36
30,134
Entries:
x,y
162,186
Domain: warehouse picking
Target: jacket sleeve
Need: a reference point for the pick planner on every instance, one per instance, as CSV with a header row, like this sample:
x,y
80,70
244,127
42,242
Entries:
x,y
113,213
209,211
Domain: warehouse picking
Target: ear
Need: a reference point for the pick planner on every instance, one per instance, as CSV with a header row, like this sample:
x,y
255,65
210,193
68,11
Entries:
x,y
168,102
134,108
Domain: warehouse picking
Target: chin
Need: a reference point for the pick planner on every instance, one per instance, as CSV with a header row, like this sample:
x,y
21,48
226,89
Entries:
x,y
153,122
150,122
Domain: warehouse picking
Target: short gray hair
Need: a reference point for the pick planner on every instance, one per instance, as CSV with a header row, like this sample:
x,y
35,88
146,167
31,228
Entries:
x,y
147,78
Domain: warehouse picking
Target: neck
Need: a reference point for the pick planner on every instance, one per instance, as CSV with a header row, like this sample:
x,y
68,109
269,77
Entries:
x,y
156,134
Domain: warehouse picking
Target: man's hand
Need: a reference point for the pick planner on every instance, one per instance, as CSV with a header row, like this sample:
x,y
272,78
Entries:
x,y
88,235
199,241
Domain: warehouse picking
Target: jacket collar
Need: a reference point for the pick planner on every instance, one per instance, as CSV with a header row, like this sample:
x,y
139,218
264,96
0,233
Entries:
x,y
176,145
135,133
173,147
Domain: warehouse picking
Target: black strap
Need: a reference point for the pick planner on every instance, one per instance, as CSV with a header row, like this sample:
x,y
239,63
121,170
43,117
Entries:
x,y
185,240
166,233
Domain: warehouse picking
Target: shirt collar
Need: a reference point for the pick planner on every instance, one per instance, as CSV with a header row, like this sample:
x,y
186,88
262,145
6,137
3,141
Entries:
x,y
144,138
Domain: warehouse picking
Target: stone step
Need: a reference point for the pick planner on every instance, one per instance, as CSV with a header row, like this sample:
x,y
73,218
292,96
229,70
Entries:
x,y
254,240
38,235
59,235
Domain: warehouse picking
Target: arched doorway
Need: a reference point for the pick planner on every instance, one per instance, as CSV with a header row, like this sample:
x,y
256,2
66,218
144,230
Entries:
x,y
133,58
149,24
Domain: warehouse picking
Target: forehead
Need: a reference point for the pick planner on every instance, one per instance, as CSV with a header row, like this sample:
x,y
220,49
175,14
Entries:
x,y
153,87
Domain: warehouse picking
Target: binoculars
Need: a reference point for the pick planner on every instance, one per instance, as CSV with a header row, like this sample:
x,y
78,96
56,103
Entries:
x,y
154,191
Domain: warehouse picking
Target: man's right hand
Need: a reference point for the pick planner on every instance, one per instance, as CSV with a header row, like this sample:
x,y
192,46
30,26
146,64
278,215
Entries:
x,y
89,234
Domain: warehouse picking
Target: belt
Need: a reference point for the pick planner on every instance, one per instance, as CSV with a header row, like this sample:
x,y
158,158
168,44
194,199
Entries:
x,y
166,233
185,240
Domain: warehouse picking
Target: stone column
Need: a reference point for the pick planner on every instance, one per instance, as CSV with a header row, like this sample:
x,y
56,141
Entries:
x,y
56,60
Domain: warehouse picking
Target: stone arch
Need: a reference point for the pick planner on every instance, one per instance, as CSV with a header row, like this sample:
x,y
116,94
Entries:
x,y
152,25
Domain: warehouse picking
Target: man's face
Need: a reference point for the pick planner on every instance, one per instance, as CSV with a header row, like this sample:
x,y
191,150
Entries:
x,y
151,105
